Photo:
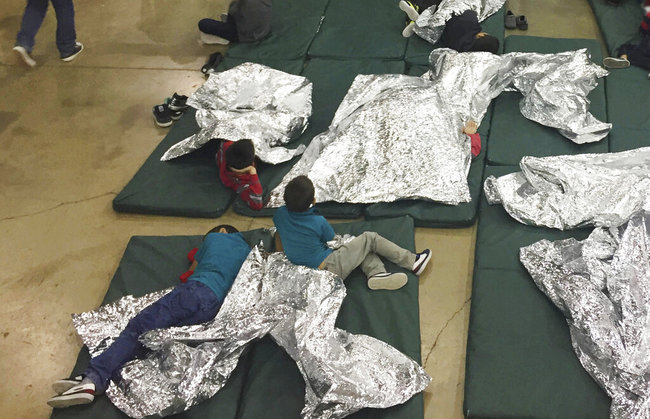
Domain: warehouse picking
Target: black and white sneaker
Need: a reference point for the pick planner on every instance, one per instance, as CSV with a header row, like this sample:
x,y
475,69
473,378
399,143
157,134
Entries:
x,y
78,394
421,261
213,62
162,115
61,386
387,281
78,47
177,102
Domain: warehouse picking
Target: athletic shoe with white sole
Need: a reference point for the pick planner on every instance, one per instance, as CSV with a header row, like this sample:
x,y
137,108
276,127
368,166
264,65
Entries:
x,y
24,55
387,281
162,115
61,386
421,261
206,38
79,394
410,9
613,62
408,30
78,47
177,102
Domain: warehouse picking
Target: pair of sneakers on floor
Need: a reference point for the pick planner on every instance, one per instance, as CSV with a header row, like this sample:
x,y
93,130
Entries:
x,y
165,114
393,281
26,55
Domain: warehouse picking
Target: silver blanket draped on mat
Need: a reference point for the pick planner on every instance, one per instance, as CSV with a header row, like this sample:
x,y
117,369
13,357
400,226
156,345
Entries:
x,y
252,101
298,306
566,192
431,23
399,137
602,286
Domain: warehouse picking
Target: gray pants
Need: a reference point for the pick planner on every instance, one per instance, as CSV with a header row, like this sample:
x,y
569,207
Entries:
x,y
363,250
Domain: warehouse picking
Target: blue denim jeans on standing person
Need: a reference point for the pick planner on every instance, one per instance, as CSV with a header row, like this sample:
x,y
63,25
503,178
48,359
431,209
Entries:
x,y
189,303
35,10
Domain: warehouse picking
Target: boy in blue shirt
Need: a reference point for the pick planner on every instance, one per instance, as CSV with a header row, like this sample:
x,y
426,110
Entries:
x,y
215,267
303,235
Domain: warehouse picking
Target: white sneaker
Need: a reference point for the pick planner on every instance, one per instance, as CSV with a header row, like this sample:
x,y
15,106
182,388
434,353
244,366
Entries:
x,y
206,38
387,281
61,386
79,394
409,9
408,30
613,62
24,55
421,261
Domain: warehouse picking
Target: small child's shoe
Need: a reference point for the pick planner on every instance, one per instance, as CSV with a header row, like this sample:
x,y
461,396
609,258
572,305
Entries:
x,y
177,102
387,281
66,384
162,115
78,394
421,261
410,9
614,62
408,30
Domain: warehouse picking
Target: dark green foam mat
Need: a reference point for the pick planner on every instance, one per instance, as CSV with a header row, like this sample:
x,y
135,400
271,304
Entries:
x,y
628,99
274,387
618,24
186,186
512,136
288,66
418,50
152,263
266,383
331,80
520,362
294,25
360,29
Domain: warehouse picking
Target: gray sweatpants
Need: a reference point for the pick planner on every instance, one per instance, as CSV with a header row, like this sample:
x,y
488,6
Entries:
x,y
363,250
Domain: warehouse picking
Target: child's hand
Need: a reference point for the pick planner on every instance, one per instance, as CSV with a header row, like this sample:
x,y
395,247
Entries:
x,y
470,127
251,170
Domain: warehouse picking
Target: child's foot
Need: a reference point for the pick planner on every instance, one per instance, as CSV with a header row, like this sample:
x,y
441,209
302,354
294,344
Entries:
x,y
410,9
421,261
66,384
24,55
387,281
78,47
613,62
408,30
78,394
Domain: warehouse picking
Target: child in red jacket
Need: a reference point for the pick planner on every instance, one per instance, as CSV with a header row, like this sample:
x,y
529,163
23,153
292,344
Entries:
x,y
236,161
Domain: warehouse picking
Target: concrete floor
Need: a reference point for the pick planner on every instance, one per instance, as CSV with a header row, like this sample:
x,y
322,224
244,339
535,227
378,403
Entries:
x,y
73,134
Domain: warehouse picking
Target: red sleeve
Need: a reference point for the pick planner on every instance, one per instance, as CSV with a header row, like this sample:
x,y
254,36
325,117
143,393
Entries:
x,y
250,191
476,144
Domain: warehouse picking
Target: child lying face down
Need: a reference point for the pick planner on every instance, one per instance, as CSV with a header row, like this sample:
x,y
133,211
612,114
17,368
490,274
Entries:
x,y
303,235
214,268
236,161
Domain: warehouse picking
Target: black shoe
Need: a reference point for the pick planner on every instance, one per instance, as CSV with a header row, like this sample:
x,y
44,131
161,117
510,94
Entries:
x,y
162,115
78,47
177,103
213,62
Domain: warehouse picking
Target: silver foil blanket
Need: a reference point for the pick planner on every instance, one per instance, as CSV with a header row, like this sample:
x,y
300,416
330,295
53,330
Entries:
x,y
431,23
298,306
602,286
399,137
252,101
566,192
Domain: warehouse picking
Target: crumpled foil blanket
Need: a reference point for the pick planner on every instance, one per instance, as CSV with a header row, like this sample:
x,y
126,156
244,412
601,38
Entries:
x,y
253,101
566,192
431,23
298,306
602,286
399,137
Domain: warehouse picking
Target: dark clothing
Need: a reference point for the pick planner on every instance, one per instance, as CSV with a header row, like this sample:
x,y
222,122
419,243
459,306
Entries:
x,y
461,30
35,10
247,186
637,54
226,30
252,17
645,25
425,4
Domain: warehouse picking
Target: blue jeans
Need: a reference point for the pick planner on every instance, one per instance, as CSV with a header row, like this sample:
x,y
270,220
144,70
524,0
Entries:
x,y
35,10
189,303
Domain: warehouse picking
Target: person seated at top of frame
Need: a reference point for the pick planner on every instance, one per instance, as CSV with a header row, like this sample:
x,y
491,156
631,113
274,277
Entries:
x,y
214,268
637,54
246,21
303,235
237,171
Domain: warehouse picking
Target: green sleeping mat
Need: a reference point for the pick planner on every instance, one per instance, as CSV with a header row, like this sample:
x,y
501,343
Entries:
x,y
618,23
294,25
187,186
519,360
360,29
628,101
266,383
288,66
418,50
331,80
512,136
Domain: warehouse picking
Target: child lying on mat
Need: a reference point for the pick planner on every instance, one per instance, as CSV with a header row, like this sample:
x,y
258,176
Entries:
x,y
303,235
215,267
246,21
236,161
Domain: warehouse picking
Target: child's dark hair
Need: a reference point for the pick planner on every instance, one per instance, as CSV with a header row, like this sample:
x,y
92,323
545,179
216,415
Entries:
x,y
299,194
229,229
486,43
240,154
